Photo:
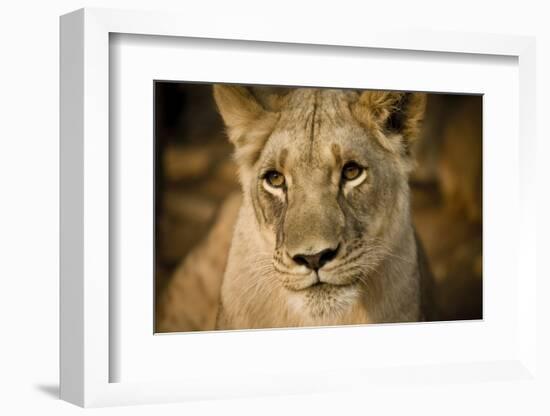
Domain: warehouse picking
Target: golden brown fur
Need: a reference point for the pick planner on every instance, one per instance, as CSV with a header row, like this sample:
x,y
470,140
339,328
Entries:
x,y
309,136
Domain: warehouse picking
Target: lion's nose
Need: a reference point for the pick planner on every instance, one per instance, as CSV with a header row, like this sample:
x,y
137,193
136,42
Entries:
x,y
317,260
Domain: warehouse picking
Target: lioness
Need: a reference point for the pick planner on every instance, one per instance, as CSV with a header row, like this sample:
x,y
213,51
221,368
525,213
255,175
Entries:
x,y
324,233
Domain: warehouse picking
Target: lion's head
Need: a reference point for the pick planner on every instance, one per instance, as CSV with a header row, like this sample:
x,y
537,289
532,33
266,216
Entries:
x,y
326,173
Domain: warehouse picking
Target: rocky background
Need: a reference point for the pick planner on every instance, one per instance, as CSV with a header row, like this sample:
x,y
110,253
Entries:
x,y
195,173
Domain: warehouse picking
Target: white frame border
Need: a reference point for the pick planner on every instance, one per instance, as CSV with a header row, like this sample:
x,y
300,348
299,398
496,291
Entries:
x,y
84,219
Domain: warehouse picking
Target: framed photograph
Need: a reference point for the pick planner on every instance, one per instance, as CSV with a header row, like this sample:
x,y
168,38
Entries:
x,y
286,213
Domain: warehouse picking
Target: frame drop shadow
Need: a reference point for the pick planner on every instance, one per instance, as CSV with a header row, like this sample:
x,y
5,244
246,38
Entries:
x,y
51,390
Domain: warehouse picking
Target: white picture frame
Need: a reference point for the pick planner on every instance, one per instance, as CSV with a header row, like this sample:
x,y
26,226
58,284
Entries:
x,y
86,353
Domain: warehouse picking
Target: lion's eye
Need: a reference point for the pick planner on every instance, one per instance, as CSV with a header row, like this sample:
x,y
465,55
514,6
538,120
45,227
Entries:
x,y
351,171
275,179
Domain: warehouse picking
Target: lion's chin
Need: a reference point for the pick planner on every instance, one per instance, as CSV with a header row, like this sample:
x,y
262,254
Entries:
x,y
324,303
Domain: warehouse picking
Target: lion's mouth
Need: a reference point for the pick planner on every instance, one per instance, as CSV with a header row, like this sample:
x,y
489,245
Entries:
x,y
318,282
322,286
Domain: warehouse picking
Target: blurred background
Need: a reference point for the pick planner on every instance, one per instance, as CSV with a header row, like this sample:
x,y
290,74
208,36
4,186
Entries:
x,y
196,179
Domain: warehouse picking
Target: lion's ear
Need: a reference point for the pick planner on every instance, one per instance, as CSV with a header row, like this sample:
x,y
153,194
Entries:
x,y
248,122
391,115
237,105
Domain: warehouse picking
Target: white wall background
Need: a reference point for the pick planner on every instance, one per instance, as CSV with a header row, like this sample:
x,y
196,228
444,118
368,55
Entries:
x,y
29,199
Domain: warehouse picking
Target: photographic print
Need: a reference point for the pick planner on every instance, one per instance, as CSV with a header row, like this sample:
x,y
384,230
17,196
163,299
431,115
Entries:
x,y
281,207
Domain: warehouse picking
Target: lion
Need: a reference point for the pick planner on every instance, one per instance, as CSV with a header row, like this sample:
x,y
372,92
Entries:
x,y
323,235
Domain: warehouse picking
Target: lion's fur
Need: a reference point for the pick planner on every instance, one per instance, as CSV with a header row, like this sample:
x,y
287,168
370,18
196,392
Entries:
x,y
309,134
190,302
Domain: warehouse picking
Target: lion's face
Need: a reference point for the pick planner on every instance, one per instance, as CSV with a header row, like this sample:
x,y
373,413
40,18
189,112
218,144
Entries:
x,y
327,187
